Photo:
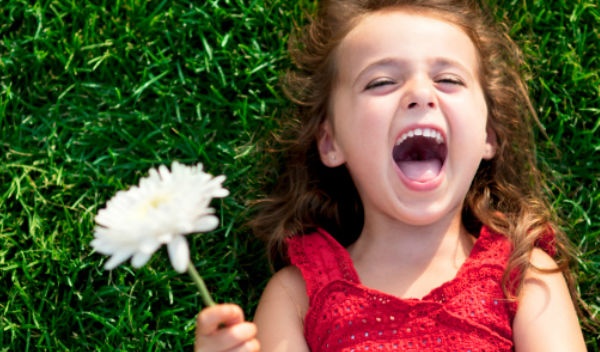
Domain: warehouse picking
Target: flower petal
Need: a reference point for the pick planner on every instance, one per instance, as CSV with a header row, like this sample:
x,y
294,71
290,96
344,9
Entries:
x,y
179,253
206,223
116,259
149,244
139,259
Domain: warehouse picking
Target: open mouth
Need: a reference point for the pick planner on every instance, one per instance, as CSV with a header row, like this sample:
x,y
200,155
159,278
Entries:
x,y
420,154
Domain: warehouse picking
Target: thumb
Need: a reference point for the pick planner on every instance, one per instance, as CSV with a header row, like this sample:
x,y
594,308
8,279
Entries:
x,y
210,319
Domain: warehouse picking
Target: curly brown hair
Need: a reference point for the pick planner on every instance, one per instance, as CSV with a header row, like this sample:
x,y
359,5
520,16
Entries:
x,y
508,193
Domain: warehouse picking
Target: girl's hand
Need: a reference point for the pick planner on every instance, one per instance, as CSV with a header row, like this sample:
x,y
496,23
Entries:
x,y
222,328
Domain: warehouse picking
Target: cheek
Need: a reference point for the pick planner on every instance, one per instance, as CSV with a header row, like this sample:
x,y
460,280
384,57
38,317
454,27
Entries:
x,y
361,117
472,113
484,118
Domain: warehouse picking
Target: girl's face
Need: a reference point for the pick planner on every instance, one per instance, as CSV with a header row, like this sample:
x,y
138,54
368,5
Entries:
x,y
407,116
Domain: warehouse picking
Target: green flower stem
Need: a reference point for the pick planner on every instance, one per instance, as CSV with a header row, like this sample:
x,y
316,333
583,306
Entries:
x,y
208,301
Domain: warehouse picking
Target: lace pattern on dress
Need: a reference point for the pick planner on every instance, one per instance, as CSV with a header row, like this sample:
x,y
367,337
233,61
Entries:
x,y
469,312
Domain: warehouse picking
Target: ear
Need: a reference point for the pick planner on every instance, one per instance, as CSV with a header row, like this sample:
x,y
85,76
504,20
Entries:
x,y
330,153
491,143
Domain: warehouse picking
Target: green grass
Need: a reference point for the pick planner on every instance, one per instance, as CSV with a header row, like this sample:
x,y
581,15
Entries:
x,y
93,93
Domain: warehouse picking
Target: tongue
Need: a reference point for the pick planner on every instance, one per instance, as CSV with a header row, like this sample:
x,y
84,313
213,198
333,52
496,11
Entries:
x,y
421,171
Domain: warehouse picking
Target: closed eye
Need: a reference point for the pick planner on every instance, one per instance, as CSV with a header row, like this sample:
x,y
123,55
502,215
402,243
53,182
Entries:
x,y
378,83
451,80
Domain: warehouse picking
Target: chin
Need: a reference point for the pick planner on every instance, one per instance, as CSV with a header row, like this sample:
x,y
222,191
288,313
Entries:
x,y
414,216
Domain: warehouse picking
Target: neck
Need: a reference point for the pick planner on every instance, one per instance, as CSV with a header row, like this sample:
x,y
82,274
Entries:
x,y
419,258
412,242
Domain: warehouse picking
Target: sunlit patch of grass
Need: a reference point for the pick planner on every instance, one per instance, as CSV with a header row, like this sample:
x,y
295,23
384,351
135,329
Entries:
x,y
561,40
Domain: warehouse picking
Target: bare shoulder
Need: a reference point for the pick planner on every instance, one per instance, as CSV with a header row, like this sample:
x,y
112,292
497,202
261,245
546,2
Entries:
x,y
289,278
542,260
287,285
280,313
546,319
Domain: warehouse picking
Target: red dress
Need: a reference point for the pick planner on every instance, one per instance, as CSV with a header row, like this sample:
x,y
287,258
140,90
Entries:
x,y
467,313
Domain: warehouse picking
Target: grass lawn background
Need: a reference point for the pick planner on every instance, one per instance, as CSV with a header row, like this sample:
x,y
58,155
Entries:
x,y
94,93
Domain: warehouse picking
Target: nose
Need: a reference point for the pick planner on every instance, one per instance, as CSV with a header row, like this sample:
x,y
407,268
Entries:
x,y
418,94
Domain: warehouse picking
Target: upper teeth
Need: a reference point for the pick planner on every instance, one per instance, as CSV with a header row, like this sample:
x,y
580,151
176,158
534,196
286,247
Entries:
x,y
424,132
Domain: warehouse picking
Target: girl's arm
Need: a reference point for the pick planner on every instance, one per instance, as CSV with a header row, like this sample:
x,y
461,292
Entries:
x,y
280,313
222,328
546,319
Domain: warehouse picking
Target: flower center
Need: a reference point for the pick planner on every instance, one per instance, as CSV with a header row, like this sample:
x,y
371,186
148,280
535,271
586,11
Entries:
x,y
153,203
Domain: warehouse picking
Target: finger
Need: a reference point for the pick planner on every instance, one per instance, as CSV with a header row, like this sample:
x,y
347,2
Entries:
x,y
238,337
210,319
248,346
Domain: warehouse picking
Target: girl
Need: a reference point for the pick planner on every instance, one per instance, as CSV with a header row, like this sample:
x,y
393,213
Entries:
x,y
411,214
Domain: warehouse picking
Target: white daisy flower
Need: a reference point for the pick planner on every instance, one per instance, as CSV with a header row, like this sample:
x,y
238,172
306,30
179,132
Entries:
x,y
164,207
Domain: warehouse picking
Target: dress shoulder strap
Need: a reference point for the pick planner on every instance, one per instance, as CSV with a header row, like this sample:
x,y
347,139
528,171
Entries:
x,y
321,260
